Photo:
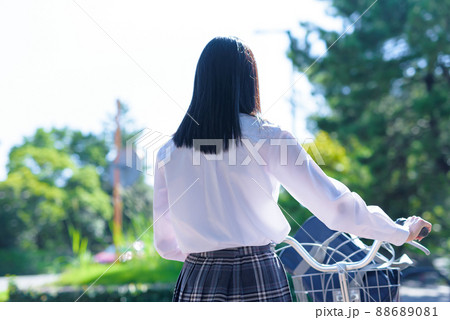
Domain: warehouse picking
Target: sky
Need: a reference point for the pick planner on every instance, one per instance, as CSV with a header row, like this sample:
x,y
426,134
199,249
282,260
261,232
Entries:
x,y
65,62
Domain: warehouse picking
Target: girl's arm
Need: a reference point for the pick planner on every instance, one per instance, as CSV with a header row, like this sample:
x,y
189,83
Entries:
x,y
165,240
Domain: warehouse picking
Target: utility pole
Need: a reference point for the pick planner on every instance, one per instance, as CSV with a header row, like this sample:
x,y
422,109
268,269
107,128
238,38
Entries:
x,y
117,201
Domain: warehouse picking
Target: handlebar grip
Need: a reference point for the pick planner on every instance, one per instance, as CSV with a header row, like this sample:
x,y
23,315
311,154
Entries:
x,y
423,233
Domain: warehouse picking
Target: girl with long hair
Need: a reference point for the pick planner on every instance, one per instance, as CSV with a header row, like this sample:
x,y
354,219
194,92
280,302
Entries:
x,y
217,182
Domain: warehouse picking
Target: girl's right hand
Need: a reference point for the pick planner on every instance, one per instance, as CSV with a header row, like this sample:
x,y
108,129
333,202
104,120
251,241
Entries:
x,y
415,225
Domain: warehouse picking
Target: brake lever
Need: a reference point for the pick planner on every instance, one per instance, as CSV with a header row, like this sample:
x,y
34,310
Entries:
x,y
419,246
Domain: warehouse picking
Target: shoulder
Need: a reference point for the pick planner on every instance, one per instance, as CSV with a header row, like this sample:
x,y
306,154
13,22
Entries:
x,y
265,129
165,148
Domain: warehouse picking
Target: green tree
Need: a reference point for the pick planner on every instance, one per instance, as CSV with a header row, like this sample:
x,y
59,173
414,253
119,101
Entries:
x,y
53,184
386,84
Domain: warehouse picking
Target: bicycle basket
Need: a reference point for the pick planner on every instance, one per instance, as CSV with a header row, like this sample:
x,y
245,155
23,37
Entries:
x,y
372,283
363,286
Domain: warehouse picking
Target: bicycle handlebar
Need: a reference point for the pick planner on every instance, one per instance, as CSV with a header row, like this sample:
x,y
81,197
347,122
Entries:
x,y
333,267
297,246
350,265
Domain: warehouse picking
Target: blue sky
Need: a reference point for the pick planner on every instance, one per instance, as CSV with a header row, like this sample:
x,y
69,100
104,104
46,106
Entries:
x,y
64,63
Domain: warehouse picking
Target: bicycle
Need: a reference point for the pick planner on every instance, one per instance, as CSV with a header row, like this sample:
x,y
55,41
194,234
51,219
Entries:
x,y
329,272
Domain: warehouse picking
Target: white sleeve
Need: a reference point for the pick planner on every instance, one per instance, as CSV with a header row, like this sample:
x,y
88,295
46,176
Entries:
x,y
165,240
328,199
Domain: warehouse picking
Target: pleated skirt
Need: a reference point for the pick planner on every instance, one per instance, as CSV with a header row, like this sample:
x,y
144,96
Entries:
x,y
237,274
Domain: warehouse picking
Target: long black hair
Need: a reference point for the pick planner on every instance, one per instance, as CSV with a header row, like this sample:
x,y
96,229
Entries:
x,y
226,83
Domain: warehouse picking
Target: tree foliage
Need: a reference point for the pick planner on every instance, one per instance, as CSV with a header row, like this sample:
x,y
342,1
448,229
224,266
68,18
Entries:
x,y
53,184
59,184
386,84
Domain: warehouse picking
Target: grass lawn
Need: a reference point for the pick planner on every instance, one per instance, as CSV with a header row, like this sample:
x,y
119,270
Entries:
x,y
25,262
4,296
147,270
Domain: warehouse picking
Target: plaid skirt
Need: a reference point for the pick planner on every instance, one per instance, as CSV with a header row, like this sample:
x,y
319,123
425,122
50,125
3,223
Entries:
x,y
236,274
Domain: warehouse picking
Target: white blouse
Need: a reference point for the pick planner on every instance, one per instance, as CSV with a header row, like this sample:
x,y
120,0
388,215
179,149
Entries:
x,y
230,199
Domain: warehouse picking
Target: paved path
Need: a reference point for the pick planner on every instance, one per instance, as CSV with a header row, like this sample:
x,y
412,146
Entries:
x,y
410,292
27,282
436,293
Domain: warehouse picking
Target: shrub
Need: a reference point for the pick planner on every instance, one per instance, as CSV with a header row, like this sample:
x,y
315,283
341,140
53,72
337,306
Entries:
x,y
124,293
